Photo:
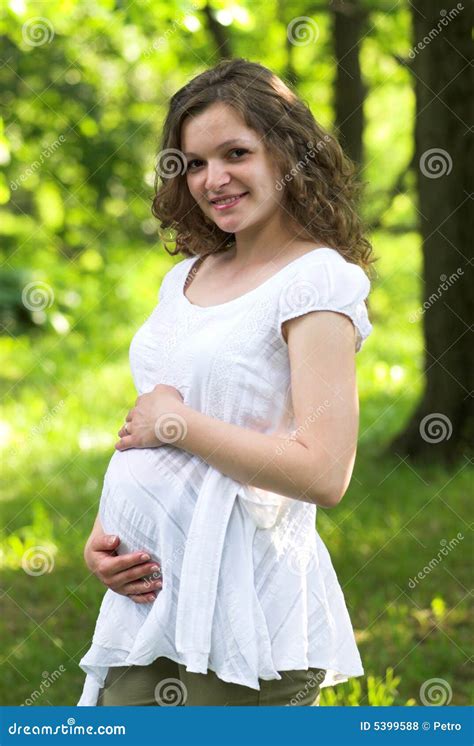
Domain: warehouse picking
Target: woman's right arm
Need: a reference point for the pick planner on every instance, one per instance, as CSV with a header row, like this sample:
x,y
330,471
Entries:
x,y
124,574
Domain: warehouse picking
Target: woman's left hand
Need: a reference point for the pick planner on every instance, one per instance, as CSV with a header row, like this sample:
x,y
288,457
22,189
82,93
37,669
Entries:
x,y
157,419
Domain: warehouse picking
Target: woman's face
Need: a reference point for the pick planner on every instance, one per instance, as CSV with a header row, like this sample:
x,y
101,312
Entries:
x,y
219,168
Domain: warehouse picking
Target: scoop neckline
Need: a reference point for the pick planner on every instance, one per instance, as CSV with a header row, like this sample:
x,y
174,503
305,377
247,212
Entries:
x,y
190,266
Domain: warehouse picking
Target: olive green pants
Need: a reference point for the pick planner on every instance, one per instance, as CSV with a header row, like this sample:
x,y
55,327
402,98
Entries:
x,y
165,683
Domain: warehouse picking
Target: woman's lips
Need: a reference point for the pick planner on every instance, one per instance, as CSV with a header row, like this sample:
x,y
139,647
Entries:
x,y
230,204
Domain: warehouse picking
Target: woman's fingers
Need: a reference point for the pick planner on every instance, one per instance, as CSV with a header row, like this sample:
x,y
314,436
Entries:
x,y
123,563
133,574
135,581
139,572
144,598
103,543
142,586
138,579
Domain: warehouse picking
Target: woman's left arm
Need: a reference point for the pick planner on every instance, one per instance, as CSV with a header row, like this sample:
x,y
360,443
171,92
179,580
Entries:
x,y
313,465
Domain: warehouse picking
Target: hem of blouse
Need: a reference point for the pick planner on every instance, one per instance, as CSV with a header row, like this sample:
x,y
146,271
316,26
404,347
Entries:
x,y
364,329
95,680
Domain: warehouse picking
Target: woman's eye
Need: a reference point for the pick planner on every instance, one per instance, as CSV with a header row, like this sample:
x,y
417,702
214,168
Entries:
x,y
190,163
195,163
239,150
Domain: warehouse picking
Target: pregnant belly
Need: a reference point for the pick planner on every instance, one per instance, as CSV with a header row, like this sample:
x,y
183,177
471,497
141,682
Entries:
x,y
136,501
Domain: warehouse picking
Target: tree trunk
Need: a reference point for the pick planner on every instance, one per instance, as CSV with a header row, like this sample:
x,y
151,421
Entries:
x,y
349,91
218,33
441,428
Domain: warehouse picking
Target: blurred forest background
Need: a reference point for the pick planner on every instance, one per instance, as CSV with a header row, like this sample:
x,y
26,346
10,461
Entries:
x,y
84,90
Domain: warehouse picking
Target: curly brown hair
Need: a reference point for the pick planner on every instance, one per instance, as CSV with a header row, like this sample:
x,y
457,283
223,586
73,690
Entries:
x,y
319,182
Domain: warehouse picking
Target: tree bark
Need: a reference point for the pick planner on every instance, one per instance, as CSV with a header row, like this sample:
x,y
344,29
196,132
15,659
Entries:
x,y
218,33
349,91
441,428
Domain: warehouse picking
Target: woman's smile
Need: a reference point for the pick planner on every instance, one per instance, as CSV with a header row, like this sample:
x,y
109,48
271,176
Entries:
x,y
228,202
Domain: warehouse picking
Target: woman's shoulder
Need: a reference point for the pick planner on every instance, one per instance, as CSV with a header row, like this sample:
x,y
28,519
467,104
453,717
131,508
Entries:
x,y
174,273
325,280
328,263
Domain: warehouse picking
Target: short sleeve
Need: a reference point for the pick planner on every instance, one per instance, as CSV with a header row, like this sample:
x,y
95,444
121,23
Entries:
x,y
335,285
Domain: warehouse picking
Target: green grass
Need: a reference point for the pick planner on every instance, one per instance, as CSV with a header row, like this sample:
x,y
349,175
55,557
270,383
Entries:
x,y
74,387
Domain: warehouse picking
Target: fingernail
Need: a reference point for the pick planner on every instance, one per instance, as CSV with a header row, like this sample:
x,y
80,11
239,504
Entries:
x,y
111,539
145,557
154,568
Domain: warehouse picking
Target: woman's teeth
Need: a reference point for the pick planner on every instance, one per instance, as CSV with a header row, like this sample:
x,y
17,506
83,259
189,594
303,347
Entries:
x,y
228,200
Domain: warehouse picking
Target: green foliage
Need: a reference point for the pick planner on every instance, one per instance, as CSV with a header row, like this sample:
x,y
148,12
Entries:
x,y
86,87
379,692
24,542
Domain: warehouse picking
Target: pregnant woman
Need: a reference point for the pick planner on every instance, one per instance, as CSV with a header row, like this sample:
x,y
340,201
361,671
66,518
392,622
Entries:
x,y
220,590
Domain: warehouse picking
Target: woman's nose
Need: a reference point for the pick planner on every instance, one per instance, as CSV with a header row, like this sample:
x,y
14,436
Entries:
x,y
216,177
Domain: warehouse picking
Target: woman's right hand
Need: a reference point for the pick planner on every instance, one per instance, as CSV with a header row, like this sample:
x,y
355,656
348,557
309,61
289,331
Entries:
x,y
126,574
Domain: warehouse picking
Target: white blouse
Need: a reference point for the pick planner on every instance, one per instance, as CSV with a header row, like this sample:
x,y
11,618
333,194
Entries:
x,y
248,585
